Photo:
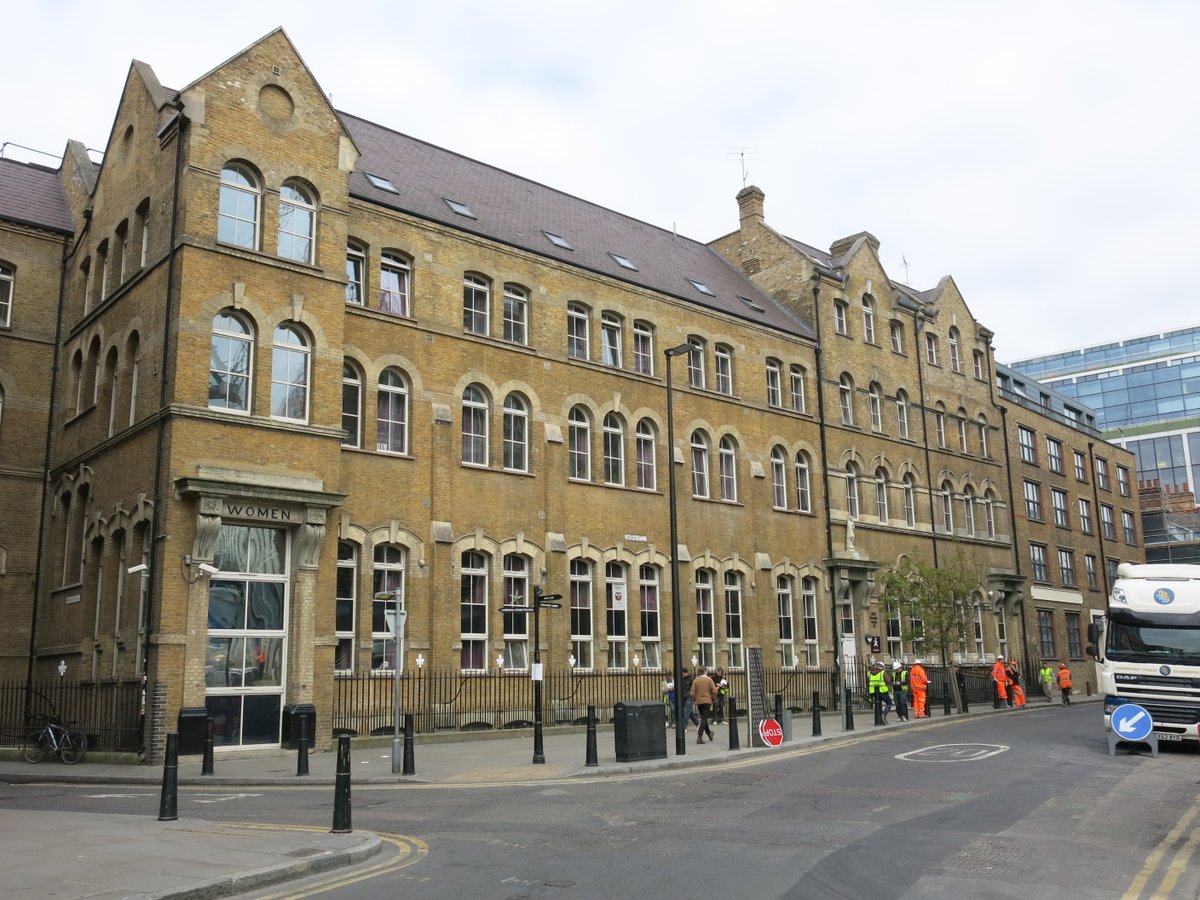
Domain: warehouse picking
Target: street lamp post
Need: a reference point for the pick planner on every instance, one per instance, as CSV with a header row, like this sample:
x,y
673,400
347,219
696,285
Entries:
x,y
400,618
676,627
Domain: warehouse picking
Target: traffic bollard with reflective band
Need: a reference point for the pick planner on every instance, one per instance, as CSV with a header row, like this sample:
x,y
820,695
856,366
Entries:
x,y
735,742
591,759
302,749
816,714
341,788
168,803
206,766
849,711
410,765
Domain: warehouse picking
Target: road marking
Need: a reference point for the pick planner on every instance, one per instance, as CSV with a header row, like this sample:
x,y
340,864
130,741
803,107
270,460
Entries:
x,y
119,796
953,753
220,798
1152,861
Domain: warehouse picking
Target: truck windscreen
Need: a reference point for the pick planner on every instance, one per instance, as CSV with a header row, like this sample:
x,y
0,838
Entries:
x,y
1141,638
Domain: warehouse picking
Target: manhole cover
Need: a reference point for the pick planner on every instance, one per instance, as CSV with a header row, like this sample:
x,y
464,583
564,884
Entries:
x,y
991,855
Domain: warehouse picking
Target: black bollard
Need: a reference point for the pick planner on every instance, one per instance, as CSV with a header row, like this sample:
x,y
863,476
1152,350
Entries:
x,y
878,708
206,766
779,709
963,705
997,703
410,766
341,789
168,803
946,702
591,738
735,742
302,750
816,713
849,711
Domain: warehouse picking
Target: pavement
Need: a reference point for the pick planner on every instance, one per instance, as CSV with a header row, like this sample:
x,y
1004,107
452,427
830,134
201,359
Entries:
x,y
72,855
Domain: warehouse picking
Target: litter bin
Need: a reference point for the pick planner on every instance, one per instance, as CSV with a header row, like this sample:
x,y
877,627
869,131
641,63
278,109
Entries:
x,y
640,730
785,723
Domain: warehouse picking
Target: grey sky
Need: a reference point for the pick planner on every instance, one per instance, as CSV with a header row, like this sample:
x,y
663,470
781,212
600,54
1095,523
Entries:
x,y
1041,153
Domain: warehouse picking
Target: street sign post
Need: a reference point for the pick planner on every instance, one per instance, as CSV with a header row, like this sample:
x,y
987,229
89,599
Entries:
x,y
540,601
1132,723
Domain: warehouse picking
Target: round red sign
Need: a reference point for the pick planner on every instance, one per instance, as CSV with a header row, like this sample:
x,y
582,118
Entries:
x,y
771,732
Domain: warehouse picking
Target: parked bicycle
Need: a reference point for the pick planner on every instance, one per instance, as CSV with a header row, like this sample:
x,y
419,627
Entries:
x,y
55,737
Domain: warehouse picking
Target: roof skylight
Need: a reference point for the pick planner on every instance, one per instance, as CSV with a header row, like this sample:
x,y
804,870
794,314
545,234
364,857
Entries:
x,y
557,240
750,303
623,262
701,287
461,208
382,183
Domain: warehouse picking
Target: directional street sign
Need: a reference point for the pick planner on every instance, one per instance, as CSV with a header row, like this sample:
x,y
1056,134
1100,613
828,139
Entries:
x,y
1131,722
545,605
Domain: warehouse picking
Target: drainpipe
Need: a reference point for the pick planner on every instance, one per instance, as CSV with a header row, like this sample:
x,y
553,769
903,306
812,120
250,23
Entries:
x,y
919,350
815,280
1012,518
1099,517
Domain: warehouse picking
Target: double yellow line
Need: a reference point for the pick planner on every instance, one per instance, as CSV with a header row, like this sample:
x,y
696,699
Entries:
x,y
1180,854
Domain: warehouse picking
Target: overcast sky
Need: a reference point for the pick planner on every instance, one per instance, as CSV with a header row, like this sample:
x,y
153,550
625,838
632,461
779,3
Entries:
x,y
1042,153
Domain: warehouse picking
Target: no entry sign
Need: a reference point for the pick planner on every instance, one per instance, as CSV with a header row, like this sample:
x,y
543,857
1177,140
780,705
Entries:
x,y
771,732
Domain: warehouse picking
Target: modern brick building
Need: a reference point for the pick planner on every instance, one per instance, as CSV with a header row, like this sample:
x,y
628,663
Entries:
x,y
301,369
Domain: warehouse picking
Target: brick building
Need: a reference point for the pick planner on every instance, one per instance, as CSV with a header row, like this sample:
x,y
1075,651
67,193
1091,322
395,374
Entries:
x,y
312,370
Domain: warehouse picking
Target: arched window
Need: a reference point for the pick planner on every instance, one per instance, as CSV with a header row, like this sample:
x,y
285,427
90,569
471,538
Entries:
x,y
787,634
351,406
237,220
616,615
852,476
989,512
473,611
581,614
133,351
799,403
577,331
875,399
961,421
699,464
868,313
345,606
230,366
579,444
474,426
611,337
297,222
841,317
902,413
723,361
727,454
647,464
803,482
808,599
774,383
7,280
614,449
356,274
391,421
516,314
910,501
112,376
516,625
705,633
643,348
955,355
394,277
477,301
516,433
983,438
947,496
733,619
778,478
388,596
846,398
969,511
939,425
881,495
290,360
696,377
651,625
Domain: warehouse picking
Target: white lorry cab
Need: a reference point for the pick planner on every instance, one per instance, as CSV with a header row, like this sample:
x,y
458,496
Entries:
x,y
1147,646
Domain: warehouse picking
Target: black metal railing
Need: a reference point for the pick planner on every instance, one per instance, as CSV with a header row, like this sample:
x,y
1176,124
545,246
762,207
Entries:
x,y
108,712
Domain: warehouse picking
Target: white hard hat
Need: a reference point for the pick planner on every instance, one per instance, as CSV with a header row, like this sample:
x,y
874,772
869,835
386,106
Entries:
x,y
917,663
896,664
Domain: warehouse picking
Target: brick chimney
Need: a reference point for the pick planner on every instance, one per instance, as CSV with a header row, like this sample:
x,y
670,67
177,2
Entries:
x,y
750,205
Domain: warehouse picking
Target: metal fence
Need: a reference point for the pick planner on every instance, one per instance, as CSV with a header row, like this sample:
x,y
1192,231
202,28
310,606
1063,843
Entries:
x,y
448,700
108,712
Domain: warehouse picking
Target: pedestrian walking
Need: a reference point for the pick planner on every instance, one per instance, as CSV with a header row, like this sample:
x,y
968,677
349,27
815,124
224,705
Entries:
x,y
1046,679
918,681
900,689
689,704
704,692
879,686
1064,683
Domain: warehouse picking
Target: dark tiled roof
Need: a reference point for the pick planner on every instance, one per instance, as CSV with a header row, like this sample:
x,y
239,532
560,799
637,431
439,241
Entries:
x,y
518,212
33,195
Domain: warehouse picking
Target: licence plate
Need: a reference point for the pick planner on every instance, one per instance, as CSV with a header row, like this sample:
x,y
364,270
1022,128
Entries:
x,y
1166,736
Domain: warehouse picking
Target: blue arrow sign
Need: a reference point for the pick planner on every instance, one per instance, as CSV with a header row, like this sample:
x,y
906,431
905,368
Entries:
x,y
1131,722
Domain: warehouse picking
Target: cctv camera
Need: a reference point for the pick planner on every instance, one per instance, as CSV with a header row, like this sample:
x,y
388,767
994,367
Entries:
x,y
140,567
211,570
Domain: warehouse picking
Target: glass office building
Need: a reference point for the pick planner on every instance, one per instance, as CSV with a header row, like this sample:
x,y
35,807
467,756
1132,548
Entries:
x,y
1146,395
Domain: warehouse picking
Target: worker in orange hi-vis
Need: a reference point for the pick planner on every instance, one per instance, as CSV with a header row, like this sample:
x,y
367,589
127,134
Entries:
x,y
918,680
1000,677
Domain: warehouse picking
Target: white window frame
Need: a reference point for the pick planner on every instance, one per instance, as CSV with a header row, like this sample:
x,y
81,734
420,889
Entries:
x,y
296,239
477,304
582,615
579,444
613,429
395,285
516,314
723,369
516,434
391,412
611,331
647,451
643,348
700,448
727,464
240,205
476,411
291,353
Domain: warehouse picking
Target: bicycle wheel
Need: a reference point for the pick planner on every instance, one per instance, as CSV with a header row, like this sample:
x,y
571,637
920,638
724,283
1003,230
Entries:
x,y
74,745
35,746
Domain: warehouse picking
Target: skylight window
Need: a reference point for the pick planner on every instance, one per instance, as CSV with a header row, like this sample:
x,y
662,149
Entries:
x,y
557,240
701,287
750,303
461,208
382,183
623,262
